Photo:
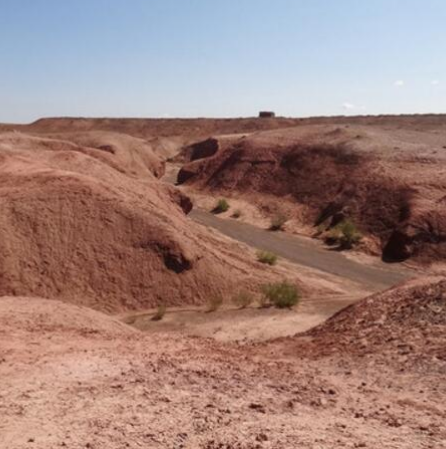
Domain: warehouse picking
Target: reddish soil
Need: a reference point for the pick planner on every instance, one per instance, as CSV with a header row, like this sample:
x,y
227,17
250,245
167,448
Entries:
x,y
86,224
131,155
206,127
165,136
161,127
403,326
94,226
74,378
198,150
390,182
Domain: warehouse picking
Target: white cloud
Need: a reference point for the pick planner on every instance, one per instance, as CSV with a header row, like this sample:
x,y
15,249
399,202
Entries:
x,y
352,107
348,106
399,83
435,82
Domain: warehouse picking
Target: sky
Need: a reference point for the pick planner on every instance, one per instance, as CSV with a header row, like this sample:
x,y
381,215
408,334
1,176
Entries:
x,y
220,58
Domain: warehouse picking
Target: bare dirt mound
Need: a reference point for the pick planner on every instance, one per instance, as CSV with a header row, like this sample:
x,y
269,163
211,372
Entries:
x,y
37,315
145,128
198,150
136,156
123,153
205,148
165,137
389,183
74,226
168,136
404,324
205,127
75,378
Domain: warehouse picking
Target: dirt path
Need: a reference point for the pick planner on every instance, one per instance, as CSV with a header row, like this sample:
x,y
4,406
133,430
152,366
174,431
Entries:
x,y
232,324
304,251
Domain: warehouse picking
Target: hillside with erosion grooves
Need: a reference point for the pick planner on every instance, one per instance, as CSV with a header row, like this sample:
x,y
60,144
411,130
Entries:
x,y
20,316
161,127
94,226
165,136
89,222
132,155
403,326
388,181
195,127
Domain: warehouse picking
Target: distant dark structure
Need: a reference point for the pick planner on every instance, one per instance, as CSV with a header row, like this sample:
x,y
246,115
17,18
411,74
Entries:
x,y
266,114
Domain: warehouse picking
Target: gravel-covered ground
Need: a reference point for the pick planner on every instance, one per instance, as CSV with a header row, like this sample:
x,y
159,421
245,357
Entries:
x,y
75,378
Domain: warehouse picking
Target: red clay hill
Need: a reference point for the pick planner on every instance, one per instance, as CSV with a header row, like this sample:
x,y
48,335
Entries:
x,y
405,325
85,219
388,178
90,223
165,136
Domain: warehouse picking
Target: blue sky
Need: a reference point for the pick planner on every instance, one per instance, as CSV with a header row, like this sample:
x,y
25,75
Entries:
x,y
188,58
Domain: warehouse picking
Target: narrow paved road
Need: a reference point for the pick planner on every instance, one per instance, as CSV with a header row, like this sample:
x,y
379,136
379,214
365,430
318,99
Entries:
x,y
306,252
300,250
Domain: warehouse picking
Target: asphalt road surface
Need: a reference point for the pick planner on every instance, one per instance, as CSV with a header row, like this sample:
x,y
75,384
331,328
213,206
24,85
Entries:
x,y
304,251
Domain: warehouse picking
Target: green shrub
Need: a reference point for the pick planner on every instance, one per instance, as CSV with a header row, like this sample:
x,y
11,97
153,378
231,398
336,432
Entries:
x,y
221,206
278,222
282,295
243,299
334,236
264,302
237,213
346,234
214,303
266,257
321,228
350,234
160,312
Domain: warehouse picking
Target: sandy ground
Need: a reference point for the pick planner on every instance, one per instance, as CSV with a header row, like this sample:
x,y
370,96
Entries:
x,y
79,386
93,225
244,326
71,377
